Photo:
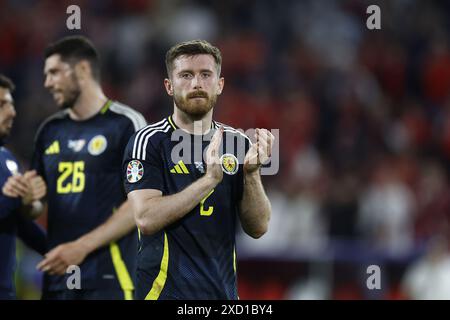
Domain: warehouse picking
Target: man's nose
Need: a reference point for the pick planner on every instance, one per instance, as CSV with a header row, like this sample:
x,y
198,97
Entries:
x,y
47,83
12,110
196,82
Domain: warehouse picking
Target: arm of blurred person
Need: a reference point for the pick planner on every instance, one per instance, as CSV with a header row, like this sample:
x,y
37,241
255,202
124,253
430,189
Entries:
x,y
32,234
120,223
31,188
255,208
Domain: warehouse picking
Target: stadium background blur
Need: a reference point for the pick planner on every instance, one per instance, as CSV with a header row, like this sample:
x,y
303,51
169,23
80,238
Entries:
x,y
364,119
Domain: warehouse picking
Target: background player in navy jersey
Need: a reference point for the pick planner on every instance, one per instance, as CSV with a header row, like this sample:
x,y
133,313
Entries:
x,y
28,189
186,211
78,151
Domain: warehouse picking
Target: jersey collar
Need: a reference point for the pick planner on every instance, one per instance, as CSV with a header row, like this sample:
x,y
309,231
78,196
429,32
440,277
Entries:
x,y
174,126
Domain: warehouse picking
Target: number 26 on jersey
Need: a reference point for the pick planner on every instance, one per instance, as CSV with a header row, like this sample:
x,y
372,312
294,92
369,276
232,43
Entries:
x,y
71,177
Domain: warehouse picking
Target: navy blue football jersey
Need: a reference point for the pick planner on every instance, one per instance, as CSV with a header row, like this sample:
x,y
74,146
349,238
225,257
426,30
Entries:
x,y
11,225
81,164
193,258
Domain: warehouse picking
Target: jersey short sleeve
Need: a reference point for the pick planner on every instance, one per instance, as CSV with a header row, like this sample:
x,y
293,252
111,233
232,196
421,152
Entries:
x,y
142,165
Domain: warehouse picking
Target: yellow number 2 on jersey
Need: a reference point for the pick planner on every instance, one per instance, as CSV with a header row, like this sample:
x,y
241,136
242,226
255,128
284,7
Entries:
x,y
210,209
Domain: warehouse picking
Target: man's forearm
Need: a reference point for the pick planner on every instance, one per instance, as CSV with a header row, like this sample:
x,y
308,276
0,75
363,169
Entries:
x,y
118,225
158,212
255,207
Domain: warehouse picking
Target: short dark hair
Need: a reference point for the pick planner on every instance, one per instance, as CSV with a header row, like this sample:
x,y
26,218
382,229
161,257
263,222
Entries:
x,y
192,48
6,83
73,49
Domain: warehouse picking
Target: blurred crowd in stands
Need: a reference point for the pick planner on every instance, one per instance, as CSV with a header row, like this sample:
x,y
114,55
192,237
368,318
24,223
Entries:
x,y
364,120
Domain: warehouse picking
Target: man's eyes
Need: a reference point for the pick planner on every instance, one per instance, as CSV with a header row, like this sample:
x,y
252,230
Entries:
x,y
52,72
4,103
190,75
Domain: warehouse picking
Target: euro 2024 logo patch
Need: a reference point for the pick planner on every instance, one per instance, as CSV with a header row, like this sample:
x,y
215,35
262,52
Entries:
x,y
97,145
135,171
230,164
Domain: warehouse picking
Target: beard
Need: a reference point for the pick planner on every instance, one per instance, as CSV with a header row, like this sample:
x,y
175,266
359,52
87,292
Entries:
x,y
4,133
5,129
70,98
194,107
70,95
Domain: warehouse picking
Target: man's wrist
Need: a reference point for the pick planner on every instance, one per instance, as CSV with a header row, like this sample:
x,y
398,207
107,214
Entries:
x,y
211,181
86,245
253,173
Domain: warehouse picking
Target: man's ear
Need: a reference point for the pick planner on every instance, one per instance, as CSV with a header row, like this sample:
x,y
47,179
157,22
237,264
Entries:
x,y
83,70
221,85
168,86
